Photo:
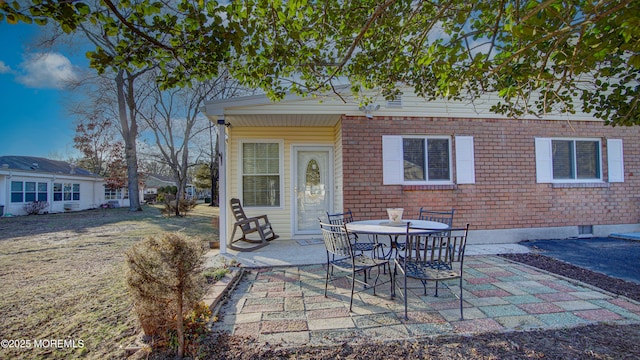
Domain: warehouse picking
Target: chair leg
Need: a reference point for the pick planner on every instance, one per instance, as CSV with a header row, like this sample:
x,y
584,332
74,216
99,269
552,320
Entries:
x,y
461,314
326,280
353,285
406,316
392,281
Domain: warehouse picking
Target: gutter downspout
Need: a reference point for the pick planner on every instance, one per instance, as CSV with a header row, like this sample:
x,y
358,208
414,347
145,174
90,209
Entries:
x,y
222,184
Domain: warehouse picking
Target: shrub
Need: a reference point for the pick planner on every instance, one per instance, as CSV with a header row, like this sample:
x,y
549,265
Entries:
x,y
213,275
184,205
195,328
35,207
165,281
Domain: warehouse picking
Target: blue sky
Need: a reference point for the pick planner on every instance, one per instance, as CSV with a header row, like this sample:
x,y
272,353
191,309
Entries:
x,y
33,119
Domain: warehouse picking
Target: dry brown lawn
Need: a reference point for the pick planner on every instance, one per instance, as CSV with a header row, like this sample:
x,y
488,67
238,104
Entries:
x,y
62,278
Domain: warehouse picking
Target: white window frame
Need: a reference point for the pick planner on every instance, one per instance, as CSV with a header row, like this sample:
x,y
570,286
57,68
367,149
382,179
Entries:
x,y
544,161
67,189
24,191
463,170
112,194
281,154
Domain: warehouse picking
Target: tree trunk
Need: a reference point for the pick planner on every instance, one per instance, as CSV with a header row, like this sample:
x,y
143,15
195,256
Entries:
x,y
129,133
180,320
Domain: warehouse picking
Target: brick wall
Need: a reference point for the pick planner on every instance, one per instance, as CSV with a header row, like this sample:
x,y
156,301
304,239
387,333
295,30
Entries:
x,y
505,194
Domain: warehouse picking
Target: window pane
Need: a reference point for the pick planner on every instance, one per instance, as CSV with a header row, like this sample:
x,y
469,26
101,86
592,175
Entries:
x,y
261,174
42,187
16,197
16,186
57,187
438,150
587,160
261,190
57,196
30,186
76,187
562,159
29,197
414,159
42,196
76,196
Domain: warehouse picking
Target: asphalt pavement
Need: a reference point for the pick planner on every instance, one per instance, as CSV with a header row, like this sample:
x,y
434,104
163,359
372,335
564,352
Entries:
x,y
616,257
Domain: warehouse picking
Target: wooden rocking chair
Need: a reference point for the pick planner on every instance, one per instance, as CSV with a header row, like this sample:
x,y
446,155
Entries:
x,y
248,225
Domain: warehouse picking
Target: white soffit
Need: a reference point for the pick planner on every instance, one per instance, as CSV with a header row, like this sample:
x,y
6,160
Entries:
x,y
318,120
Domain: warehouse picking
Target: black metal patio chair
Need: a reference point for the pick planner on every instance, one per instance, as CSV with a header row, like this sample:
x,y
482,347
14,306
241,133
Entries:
x,y
341,256
437,257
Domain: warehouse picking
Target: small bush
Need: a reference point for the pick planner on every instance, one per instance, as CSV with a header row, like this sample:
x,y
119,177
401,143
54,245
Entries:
x,y
165,281
184,205
35,207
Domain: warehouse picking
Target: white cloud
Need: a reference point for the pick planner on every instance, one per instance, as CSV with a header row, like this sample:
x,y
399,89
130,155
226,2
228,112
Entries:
x,y
50,70
4,68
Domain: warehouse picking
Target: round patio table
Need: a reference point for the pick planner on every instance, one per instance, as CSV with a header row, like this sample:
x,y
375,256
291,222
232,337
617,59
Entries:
x,y
384,227
395,230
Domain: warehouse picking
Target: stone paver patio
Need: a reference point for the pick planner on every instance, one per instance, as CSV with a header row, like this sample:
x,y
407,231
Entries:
x,y
286,305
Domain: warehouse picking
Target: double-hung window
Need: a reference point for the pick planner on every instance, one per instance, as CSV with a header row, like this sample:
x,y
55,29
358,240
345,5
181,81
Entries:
x,y
261,173
567,160
576,159
17,191
427,160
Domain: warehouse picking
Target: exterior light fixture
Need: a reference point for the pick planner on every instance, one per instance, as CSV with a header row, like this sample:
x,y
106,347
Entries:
x,y
369,109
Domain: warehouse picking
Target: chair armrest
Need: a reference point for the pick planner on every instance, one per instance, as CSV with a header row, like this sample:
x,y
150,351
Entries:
x,y
263,217
248,221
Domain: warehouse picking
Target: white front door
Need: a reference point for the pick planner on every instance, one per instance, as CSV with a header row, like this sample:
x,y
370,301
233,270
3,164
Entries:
x,y
313,184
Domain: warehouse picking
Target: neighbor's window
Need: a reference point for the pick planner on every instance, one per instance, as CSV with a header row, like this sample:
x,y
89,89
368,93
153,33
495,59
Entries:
x,y
112,194
260,174
66,192
427,159
28,191
576,159
42,191
17,191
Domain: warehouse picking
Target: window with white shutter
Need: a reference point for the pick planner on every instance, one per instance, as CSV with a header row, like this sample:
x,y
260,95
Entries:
x,y
573,160
426,160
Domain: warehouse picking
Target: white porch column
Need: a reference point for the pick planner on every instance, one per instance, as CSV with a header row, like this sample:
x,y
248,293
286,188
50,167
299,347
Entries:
x,y
222,184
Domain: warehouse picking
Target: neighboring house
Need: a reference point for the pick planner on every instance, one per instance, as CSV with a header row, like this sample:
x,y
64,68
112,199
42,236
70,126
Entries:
x,y
153,182
25,179
511,179
117,197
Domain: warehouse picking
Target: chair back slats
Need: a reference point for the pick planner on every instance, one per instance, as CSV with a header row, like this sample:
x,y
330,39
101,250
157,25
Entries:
x,y
336,239
445,217
238,212
340,218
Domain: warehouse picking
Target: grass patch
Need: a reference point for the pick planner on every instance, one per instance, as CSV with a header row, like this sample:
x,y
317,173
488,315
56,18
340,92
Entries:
x,y
215,274
62,277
